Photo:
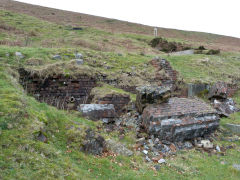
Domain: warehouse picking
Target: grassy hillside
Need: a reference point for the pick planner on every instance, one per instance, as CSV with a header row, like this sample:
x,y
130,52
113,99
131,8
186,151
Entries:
x,y
113,48
120,27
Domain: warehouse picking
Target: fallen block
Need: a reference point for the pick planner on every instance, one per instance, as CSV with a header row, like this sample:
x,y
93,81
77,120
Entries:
x,y
96,112
151,95
180,119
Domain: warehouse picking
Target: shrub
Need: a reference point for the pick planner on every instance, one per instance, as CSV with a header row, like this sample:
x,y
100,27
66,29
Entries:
x,y
213,52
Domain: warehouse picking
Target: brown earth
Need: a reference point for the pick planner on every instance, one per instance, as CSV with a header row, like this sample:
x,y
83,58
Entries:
x,y
83,20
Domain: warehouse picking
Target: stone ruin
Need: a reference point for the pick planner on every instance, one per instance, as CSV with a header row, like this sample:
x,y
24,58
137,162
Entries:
x,y
180,119
219,96
161,113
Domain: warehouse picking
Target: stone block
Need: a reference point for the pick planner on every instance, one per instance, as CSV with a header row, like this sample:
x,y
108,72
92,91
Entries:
x,y
98,111
180,119
150,95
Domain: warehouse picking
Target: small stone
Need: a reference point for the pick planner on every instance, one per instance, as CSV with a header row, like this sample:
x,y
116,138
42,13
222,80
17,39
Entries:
x,y
187,145
161,161
57,57
79,61
118,148
78,56
207,144
19,55
218,148
145,152
157,167
148,159
236,166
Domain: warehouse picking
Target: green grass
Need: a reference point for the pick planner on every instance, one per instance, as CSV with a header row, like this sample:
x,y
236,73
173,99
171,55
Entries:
x,y
22,156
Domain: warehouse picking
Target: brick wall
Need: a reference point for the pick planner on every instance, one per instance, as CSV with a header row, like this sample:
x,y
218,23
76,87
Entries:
x,y
62,92
120,101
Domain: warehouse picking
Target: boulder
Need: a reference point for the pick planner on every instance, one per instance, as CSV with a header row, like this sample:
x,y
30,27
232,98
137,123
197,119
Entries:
x,y
151,95
118,148
19,55
98,111
225,107
218,91
93,143
180,119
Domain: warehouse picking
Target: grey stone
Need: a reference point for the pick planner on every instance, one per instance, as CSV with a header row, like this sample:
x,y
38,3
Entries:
x,y
98,111
236,166
187,145
148,159
93,143
218,148
19,55
57,57
118,148
161,161
78,56
186,52
145,152
180,119
151,95
225,107
234,128
79,61
157,167
206,144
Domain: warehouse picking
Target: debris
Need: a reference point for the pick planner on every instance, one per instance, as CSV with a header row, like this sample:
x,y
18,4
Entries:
x,y
145,152
98,111
118,148
150,95
206,144
218,148
161,161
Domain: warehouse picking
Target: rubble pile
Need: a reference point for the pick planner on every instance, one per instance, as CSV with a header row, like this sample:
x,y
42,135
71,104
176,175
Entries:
x,y
219,96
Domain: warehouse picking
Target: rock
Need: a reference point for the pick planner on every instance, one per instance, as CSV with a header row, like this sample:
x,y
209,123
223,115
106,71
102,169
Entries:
x,y
234,128
148,159
157,167
187,145
79,61
218,148
180,119
93,144
19,55
145,152
151,95
57,57
78,56
207,144
98,111
161,161
236,166
42,137
225,107
118,148
218,91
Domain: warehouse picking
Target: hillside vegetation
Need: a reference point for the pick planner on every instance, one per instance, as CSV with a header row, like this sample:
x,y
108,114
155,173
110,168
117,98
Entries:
x,y
112,48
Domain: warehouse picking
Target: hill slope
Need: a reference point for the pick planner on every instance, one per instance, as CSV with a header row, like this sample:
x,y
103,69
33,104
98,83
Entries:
x,y
116,26
117,50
